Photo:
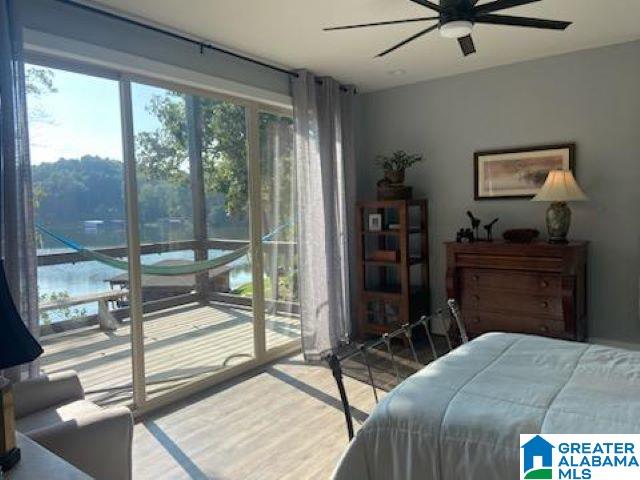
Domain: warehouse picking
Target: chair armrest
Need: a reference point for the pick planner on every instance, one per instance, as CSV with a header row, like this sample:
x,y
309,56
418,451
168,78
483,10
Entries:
x,y
46,391
99,443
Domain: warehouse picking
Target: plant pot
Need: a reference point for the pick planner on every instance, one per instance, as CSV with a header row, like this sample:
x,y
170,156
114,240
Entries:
x,y
394,192
394,176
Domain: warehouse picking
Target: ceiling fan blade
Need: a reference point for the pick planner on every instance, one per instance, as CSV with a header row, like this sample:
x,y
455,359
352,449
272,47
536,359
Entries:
x,y
410,39
501,5
427,3
467,45
522,22
390,22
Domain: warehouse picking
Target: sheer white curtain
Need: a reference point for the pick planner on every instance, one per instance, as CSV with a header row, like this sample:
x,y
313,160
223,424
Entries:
x,y
17,236
325,165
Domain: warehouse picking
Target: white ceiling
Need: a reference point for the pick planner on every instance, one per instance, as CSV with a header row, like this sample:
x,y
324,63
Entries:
x,y
289,33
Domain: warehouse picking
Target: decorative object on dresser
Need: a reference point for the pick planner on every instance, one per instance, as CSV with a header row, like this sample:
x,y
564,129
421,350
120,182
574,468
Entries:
x,y
561,187
17,346
393,269
475,224
521,235
520,172
535,288
392,186
473,234
489,229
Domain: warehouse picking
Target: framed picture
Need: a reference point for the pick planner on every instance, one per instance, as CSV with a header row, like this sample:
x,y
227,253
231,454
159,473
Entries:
x,y
375,222
519,173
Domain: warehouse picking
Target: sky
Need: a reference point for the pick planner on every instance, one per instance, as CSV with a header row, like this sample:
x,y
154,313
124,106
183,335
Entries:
x,y
83,117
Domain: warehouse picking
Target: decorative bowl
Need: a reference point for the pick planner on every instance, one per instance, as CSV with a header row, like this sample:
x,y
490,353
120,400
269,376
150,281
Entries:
x,y
521,235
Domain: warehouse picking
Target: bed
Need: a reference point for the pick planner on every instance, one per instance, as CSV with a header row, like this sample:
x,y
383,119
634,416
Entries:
x,y
460,417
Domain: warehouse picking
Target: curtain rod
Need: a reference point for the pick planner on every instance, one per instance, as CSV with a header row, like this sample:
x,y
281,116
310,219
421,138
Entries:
x,y
202,45
184,38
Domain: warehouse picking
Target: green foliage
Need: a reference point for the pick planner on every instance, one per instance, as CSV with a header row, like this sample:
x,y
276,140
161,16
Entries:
x,y
163,154
78,189
39,81
65,313
398,161
287,287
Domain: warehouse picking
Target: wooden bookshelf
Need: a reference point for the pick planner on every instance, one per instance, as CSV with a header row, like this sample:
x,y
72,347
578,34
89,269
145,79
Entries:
x,y
392,293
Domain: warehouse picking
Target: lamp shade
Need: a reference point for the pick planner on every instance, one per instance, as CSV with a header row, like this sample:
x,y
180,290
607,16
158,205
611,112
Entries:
x,y
561,186
17,345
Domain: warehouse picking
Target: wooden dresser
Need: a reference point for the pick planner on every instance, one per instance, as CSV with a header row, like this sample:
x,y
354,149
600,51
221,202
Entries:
x,y
534,288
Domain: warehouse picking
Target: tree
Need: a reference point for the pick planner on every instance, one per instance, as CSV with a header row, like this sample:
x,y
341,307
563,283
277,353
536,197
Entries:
x,y
38,82
163,153
65,190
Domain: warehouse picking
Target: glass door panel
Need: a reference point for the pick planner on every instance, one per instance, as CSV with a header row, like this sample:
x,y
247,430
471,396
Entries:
x,y
226,185
77,180
278,207
192,204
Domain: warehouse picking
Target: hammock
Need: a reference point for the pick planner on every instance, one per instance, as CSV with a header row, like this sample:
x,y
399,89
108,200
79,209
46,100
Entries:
x,y
164,270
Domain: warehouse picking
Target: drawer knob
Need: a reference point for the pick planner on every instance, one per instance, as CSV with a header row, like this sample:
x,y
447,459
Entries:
x,y
544,284
544,328
544,304
476,278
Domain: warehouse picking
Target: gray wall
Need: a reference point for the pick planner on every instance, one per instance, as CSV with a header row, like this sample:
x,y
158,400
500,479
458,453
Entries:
x,y
590,97
55,18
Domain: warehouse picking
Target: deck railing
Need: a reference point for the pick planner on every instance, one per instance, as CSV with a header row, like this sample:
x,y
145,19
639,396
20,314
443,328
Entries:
x,y
120,312
163,247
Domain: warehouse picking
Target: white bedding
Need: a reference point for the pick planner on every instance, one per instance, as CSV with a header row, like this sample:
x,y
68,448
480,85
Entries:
x,y
460,417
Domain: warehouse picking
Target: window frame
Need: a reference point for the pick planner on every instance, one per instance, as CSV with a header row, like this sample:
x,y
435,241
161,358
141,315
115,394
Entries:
x,y
262,355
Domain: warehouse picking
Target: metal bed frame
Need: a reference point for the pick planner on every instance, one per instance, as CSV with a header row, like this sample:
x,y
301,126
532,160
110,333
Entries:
x,y
335,360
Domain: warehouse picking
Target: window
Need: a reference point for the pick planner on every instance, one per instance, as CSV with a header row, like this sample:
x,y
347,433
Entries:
x,y
192,164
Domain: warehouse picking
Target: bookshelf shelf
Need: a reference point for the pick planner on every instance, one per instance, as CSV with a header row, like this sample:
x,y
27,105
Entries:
x,y
392,293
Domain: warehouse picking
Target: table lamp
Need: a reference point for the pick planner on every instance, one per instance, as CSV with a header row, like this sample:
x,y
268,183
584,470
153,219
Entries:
x,y
17,346
560,187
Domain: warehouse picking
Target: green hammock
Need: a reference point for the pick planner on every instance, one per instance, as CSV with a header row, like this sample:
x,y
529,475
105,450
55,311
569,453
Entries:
x,y
164,270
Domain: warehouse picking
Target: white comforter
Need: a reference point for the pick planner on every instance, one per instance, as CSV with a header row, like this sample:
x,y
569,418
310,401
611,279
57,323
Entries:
x,y
460,417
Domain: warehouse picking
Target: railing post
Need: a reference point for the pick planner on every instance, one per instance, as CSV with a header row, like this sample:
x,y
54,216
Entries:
x,y
196,171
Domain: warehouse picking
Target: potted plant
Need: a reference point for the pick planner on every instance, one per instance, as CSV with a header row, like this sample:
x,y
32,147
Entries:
x,y
395,165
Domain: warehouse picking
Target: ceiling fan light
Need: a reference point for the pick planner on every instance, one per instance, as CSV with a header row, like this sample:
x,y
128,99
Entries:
x,y
456,29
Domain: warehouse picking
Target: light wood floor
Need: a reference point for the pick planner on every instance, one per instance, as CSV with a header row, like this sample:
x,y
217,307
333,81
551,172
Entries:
x,y
182,344
285,422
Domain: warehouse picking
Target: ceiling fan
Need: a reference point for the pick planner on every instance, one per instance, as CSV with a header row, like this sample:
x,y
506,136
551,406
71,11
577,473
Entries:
x,y
456,19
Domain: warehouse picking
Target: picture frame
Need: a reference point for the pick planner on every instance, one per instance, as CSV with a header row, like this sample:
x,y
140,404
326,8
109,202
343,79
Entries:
x,y
518,172
375,222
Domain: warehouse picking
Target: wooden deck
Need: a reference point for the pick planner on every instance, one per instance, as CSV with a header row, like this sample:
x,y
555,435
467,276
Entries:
x,y
182,344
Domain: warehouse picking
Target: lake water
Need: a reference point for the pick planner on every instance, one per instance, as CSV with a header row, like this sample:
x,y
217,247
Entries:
x,y
91,277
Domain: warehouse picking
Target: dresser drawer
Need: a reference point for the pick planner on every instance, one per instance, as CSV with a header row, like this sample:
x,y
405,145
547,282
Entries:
x,y
540,264
475,279
479,322
513,302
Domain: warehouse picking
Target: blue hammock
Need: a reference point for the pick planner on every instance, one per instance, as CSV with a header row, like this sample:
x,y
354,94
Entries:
x,y
164,270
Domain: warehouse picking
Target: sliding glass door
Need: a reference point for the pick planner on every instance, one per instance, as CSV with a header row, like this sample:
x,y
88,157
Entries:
x,y
77,175
278,209
193,208
184,203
